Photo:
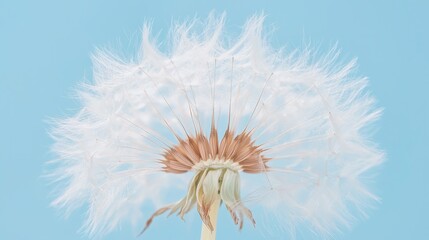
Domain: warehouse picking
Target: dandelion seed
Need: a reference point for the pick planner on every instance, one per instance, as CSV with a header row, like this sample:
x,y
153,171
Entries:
x,y
250,125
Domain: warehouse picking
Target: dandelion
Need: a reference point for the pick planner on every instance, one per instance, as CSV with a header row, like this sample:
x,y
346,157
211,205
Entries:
x,y
227,122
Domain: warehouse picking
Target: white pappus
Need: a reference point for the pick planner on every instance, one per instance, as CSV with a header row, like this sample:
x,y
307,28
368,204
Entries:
x,y
254,127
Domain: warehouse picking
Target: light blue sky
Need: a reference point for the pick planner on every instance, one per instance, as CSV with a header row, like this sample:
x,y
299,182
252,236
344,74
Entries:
x,y
45,49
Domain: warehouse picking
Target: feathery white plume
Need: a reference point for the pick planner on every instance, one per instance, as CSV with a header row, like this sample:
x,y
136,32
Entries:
x,y
291,128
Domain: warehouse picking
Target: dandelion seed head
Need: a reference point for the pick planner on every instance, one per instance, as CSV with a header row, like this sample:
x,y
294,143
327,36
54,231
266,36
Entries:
x,y
253,126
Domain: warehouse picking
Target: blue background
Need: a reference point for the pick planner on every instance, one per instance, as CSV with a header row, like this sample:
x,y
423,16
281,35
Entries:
x,y
45,51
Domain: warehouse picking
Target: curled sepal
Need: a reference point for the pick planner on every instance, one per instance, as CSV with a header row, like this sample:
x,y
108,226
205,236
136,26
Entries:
x,y
208,185
230,195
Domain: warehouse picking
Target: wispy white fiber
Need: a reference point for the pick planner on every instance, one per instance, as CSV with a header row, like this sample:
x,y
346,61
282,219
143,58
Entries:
x,y
312,114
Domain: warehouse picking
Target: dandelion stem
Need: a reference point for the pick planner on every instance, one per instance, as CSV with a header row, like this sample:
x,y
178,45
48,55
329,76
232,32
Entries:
x,y
206,233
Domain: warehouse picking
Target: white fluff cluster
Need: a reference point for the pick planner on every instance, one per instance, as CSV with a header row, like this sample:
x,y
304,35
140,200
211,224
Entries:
x,y
310,114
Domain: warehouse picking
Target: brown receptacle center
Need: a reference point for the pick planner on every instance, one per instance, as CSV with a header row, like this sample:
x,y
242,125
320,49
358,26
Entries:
x,y
240,149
